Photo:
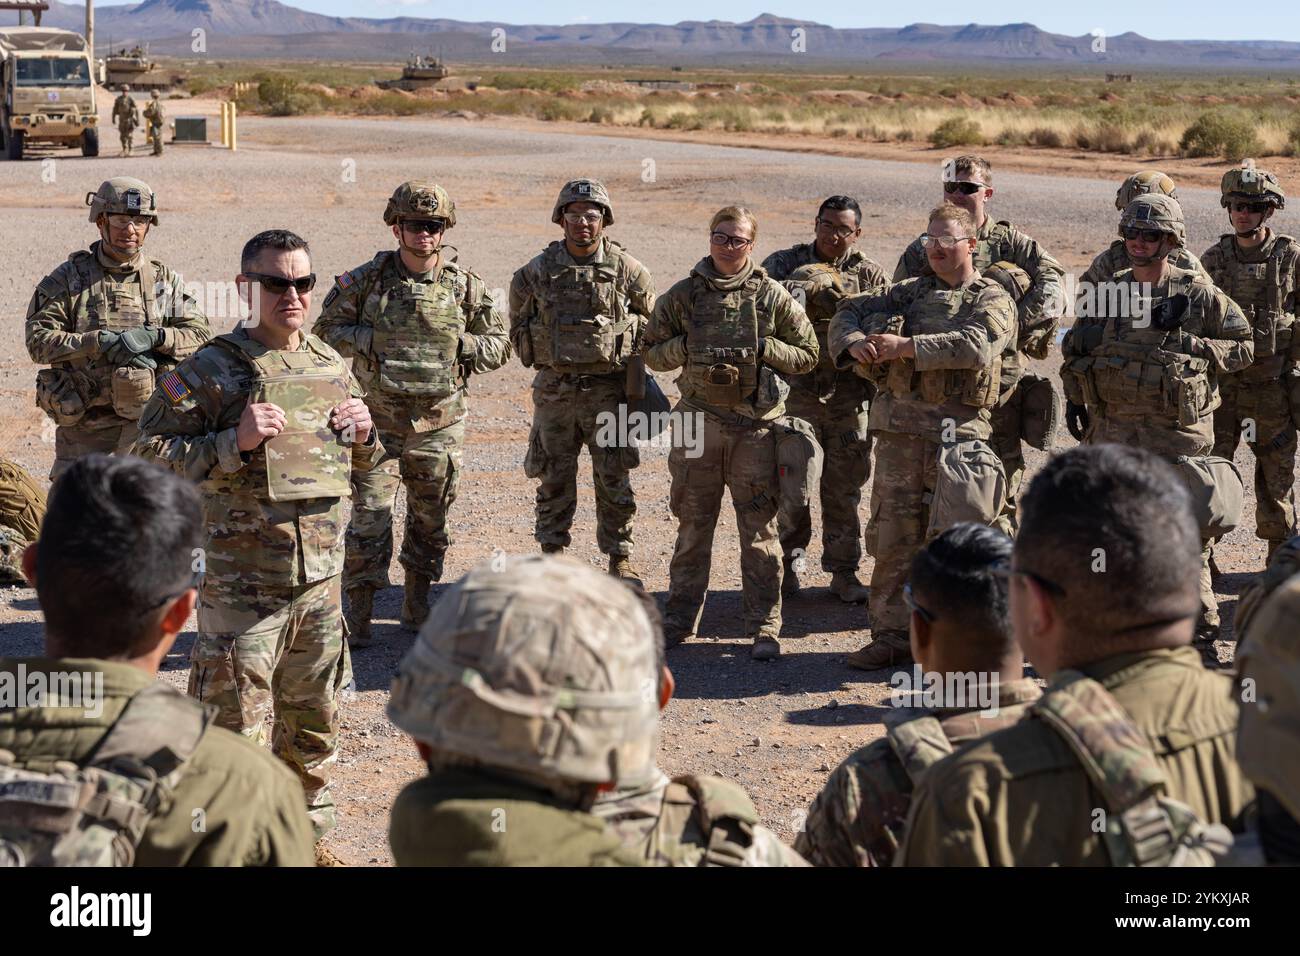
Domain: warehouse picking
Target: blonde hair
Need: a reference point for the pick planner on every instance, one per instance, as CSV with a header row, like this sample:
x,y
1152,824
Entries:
x,y
965,165
734,214
953,213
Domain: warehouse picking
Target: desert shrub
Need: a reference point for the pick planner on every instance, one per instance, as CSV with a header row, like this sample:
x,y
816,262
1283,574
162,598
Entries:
x,y
1046,137
1220,134
1011,137
956,131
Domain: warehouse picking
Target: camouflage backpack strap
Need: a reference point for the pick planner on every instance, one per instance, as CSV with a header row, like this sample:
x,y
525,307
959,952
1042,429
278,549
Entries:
x,y
1144,827
725,816
917,741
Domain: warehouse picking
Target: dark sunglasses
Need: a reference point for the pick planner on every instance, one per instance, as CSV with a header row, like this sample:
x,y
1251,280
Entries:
x,y
279,285
431,226
1255,207
927,616
1146,235
968,189
1007,572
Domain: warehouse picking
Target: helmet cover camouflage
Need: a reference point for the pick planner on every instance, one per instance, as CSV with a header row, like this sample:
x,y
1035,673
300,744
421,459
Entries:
x,y
822,289
1155,211
1010,276
583,190
1147,182
419,199
1250,183
539,665
125,195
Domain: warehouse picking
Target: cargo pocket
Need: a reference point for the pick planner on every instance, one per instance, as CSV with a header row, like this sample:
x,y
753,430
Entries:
x,y
535,459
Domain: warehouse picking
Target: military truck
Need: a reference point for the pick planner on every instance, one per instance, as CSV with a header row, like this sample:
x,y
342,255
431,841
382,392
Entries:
x,y
48,96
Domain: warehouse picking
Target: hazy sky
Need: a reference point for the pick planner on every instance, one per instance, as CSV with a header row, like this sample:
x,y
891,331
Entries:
x,y
1187,19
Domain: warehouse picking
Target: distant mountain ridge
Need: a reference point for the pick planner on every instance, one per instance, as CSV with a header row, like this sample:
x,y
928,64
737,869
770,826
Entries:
x,y
268,27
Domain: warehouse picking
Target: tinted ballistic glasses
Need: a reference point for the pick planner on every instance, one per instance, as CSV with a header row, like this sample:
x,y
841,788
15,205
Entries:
x,y
1255,207
731,242
279,285
966,188
431,226
1146,235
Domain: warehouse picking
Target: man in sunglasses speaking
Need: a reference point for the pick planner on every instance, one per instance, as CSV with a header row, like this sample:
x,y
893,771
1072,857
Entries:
x,y
968,183
1259,269
416,325
933,346
1148,376
109,321
577,313
825,271
269,422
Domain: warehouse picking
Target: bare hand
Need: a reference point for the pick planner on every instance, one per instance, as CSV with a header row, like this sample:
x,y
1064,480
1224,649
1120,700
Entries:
x,y
889,347
258,422
863,351
352,414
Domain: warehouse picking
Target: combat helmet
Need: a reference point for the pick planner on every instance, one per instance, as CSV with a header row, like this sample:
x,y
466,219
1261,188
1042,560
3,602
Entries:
x,y
583,190
537,665
1251,184
1155,211
1010,276
818,287
125,195
1149,182
419,199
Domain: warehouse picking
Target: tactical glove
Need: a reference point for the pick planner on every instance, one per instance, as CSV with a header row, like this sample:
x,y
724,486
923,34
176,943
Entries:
x,y
133,343
1077,420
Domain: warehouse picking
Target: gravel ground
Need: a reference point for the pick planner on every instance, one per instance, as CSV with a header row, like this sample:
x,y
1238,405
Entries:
x,y
777,729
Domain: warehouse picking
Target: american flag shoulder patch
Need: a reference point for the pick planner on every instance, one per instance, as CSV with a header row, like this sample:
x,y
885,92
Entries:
x,y
344,280
174,387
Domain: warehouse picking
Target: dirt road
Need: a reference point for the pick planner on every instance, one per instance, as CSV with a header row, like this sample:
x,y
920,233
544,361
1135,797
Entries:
x,y
777,729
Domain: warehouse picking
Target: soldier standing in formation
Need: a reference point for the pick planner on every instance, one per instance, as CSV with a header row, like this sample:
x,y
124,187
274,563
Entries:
x,y
1114,258
937,375
1150,379
577,313
968,184
108,322
127,117
154,114
835,403
270,423
1260,272
730,329
416,325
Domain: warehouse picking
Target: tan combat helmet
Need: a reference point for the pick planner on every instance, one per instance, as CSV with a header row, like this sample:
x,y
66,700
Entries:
x,y
1149,182
1010,276
153,94
819,288
122,194
583,190
1251,185
538,665
419,199
126,88
1155,211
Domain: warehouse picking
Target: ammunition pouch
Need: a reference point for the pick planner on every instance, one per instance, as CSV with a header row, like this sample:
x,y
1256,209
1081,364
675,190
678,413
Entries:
x,y
130,388
722,385
63,394
1218,495
970,485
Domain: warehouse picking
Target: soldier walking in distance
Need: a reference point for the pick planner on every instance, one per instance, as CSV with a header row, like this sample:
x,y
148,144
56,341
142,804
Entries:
x,y
417,325
730,329
154,114
127,117
270,423
577,312
835,403
109,321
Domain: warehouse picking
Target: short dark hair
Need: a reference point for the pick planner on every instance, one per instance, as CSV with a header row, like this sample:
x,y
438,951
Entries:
x,y
279,239
1113,526
118,538
953,577
840,204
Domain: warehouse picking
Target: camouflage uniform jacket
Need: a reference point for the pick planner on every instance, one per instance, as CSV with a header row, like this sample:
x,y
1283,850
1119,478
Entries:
x,y
154,113
692,821
252,803
857,274
349,314
125,111
189,425
1021,797
960,335
787,341
529,288
461,817
1264,282
1039,311
857,819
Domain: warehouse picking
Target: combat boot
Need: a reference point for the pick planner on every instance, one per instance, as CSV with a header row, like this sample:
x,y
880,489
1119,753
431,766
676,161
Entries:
x,y
552,549
361,604
790,586
766,648
620,566
846,586
887,649
415,605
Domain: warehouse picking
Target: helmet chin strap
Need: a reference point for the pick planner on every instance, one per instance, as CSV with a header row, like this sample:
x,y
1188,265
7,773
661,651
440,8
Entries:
x,y
401,242
117,252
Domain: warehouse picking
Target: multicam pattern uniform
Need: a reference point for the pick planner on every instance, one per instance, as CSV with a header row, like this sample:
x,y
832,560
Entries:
x,y
22,509
835,403
127,116
270,618
1263,282
700,314
154,114
1158,390
563,320
857,818
938,404
1114,259
1039,317
83,296
411,338
692,821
